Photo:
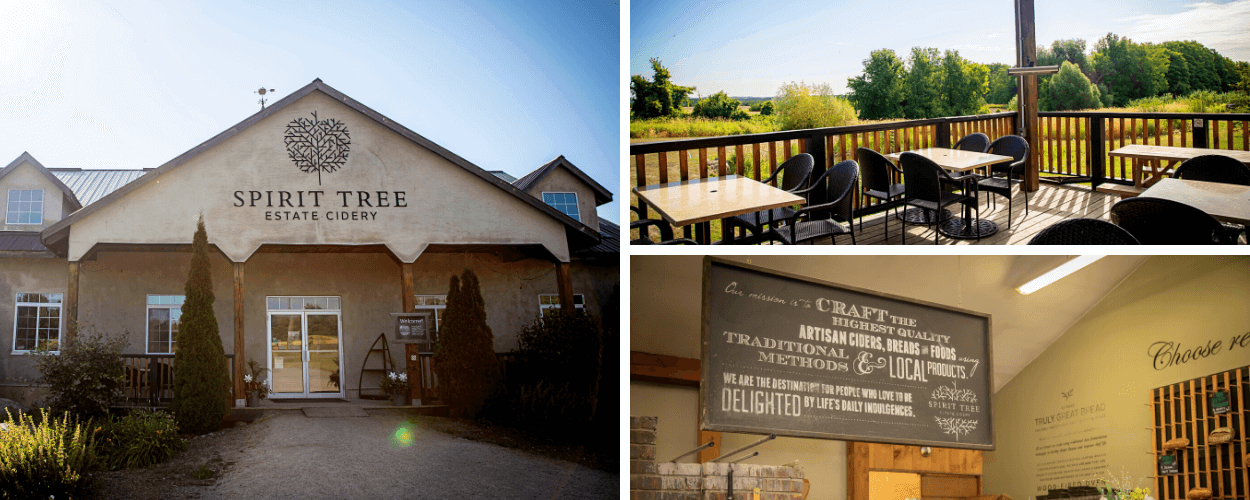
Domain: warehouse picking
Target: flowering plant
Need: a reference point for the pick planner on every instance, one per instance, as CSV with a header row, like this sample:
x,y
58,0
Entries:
x,y
254,382
1123,488
394,383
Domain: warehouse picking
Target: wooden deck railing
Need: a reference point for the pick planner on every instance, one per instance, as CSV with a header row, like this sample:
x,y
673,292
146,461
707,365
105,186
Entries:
x,y
150,378
1074,146
757,155
1071,147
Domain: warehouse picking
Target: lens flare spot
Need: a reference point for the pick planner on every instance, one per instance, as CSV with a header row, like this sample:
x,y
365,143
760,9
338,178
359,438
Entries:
x,y
403,436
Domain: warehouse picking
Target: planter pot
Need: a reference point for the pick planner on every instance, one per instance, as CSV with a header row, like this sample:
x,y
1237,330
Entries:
x,y
399,399
253,400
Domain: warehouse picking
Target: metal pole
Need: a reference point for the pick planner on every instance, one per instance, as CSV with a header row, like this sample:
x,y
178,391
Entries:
x,y
770,437
696,450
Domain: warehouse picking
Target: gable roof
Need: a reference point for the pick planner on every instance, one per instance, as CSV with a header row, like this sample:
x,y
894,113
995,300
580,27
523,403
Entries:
x,y
602,195
609,244
25,157
20,241
579,235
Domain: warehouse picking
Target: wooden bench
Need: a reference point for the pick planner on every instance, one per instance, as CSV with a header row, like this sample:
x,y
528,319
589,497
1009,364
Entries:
x,y
1120,189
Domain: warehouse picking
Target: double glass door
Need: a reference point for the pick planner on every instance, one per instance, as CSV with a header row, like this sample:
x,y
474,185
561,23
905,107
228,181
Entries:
x,y
305,354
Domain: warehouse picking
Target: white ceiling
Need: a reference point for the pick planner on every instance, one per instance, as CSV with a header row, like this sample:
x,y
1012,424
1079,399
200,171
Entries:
x,y
666,295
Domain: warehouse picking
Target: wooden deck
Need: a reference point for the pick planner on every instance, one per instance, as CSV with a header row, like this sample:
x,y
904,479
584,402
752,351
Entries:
x,y
1050,204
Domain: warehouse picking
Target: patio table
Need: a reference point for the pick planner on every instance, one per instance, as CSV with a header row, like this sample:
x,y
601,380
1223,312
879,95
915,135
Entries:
x,y
1225,202
958,160
700,201
1151,156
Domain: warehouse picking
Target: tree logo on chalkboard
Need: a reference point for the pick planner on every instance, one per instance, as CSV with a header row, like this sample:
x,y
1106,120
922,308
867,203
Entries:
x,y
956,426
317,145
954,393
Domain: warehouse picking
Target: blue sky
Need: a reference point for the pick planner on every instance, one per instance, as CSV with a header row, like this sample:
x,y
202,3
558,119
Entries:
x,y
750,48
506,85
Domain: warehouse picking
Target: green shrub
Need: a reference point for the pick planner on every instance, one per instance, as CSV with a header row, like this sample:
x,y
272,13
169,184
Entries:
x,y
46,459
464,360
86,377
564,350
139,439
803,106
1071,90
719,105
200,379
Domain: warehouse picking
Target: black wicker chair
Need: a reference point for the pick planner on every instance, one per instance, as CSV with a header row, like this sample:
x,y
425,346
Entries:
x,y
1214,168
843,178
975,142
878,181
1156,221
798,170
925,185
1015,147
1084,232
666,231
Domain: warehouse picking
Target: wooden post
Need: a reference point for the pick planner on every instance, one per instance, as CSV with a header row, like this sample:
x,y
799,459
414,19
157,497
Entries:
x,y
943,130
1026,55
409,299
1200,133
1097,161
564,282
71,304
240,355
816,147
857,470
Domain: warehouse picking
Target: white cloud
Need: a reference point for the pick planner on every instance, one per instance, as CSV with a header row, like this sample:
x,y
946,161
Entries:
x,y
993,35
1223,27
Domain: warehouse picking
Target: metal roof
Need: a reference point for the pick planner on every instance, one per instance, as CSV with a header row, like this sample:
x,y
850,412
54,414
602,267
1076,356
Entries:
x,y
611,240
91,185
21,241
503,175
602,195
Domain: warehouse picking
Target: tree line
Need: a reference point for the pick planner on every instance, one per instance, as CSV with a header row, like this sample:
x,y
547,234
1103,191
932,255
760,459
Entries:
x,y
1116,71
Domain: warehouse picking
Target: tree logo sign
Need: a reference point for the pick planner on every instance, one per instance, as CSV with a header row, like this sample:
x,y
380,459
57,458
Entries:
x,y
317,145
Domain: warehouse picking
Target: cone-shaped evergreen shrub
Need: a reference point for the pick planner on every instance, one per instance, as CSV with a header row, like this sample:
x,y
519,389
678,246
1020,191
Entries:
x,y
464,360
200,378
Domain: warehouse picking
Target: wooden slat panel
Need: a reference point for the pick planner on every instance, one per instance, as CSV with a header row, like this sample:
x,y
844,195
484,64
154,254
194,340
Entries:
x,y
684,159
759,167
702,163
772,158
663,161
721,161
1241,380
740,159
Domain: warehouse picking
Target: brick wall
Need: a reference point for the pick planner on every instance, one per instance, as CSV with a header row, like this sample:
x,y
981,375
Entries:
x,y
689,481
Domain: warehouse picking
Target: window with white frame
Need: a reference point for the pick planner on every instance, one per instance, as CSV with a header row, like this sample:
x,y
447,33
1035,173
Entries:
x,y
552,301
164,314
37,322
564,202
434,303
25,207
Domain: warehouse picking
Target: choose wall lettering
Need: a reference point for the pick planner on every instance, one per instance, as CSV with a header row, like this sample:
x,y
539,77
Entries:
x,y
1166,354
793,356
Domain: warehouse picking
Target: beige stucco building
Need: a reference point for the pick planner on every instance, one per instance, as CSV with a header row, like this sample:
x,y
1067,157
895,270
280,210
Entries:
x,y
326,219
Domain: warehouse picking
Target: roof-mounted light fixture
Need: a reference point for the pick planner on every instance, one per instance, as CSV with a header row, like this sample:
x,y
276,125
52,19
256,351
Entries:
x,y
1057,273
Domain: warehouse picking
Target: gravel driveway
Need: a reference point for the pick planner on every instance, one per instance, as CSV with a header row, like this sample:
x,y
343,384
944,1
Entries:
x,y
390,455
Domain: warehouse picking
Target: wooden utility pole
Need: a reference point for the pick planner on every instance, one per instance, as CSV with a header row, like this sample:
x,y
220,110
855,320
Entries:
x,y
1026,55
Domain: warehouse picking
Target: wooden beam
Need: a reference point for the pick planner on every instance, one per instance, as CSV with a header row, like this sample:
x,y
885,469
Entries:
x,y
71,303
1026,55
564,282
240,354
407,292
664,369
857,464
707,455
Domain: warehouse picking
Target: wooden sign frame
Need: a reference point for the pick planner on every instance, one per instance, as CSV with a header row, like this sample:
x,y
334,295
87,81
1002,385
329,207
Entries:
x,y
705,366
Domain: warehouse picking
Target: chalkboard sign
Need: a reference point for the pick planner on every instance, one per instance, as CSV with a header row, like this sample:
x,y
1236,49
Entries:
x,y
412,327
795,356
1220,403
1169,465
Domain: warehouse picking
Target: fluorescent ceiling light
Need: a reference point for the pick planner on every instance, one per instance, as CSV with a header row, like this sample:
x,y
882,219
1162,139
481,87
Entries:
x,y
1055,274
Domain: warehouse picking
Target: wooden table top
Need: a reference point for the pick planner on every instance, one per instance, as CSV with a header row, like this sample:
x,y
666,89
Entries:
x,y
1147,152
955,159
1225,202
702,200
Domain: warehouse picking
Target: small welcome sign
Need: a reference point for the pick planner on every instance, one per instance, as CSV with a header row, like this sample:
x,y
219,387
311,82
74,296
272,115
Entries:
x,y
412,327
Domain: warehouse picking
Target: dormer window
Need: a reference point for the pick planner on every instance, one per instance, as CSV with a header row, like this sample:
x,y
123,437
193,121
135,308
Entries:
x,y
564,202
25,206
